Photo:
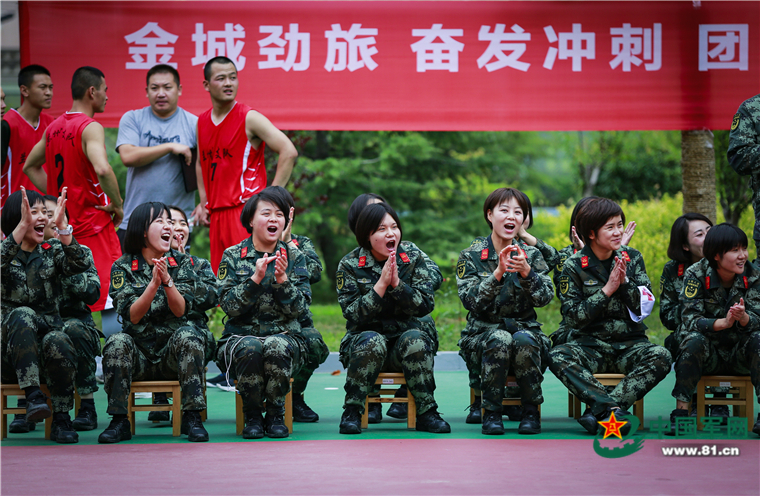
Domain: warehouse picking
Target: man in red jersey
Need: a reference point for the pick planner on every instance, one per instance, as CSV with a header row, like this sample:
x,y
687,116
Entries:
x,y
231,169
23,128
74,148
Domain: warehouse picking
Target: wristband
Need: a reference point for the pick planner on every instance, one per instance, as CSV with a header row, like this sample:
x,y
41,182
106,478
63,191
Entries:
x,y
64,232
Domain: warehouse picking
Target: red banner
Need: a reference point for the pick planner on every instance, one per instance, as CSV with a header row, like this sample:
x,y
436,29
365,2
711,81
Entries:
x,y
513,66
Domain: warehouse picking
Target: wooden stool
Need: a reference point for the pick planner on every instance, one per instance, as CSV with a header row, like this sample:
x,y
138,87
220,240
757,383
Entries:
x,y
14,390
204,414
240,418
511,382
156,387
389,379
574,403
741,389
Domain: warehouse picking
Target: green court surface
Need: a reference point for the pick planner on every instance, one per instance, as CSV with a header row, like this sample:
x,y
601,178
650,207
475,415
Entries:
x,y
325,396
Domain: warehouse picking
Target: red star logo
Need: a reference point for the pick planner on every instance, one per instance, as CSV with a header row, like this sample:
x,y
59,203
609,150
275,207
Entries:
x,y
612,427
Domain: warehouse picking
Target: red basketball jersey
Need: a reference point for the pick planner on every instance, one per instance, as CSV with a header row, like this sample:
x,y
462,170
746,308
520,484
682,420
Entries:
x,y
23,139
232,170
67,165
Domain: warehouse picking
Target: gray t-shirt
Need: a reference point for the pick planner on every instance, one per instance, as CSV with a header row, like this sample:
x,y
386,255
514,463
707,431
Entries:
x,y
161,180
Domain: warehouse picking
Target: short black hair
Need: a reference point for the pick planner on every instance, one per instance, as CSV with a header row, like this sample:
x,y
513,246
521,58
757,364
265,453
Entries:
x,y
369,220
26,75
576,209
285,196
162,69
499,196
679,236
718,241
216,60
358,205
85,78
11,214
139,222
272,195
178,209
595,214
55,200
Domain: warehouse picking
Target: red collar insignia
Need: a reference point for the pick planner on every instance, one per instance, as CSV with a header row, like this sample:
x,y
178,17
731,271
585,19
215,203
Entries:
x,y
172,262
575,251
707,282
283,252
405,258
244,252
362,261
626,257
584,262
746,283
680,270
484,254
295,242
135,265
191,262
46,246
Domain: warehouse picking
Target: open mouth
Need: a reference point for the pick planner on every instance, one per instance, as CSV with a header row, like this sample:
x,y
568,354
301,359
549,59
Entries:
x,y
166,237
39,229
510,226
272,229
391,244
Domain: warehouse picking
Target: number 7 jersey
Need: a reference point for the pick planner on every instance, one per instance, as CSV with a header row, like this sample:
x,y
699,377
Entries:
x,y
233,170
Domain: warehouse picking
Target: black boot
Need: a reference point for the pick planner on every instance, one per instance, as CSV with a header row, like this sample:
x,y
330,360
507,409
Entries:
x,y
254,425
351,420
37,408
589,422
19,424
275,425
431,421
61,431
475,416
192,425
531,420
301,411
674,415
399,410
118,430
375,413
159,416
87,417
493,425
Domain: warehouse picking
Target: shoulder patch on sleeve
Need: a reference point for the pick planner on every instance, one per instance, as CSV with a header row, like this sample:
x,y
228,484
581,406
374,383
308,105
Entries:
x,y
460,268
564,284
690,288
222,270
117,279
339,279
735,122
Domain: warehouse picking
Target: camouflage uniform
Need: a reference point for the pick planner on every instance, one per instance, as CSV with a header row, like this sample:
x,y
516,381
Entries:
x,y
263,341
206,297
161,345
605,339
317,351
704,351
671,284
33,340
502,333
79,291
744,152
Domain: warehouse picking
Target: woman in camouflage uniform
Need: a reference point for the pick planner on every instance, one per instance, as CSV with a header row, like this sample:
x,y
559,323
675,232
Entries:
x,y
384,289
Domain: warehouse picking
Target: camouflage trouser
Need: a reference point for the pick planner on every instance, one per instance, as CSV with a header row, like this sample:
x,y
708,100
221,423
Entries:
x,y
671,344
316,354
86,339
263,368
183,360
492,354
370,353
562,335
643,363
26,354
427,325
700,356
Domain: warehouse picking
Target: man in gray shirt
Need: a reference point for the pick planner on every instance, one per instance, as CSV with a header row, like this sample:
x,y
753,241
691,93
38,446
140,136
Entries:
x,y
154,142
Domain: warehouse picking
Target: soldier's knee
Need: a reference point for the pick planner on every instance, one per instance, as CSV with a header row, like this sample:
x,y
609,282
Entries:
x,y
370,342
57,344
118,345
22,318
277,345
524,339
693,343
500,340
414,342
661,361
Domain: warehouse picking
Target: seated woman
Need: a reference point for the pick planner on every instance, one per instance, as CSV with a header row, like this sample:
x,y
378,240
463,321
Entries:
x,y
33,340
720,320
153,290
601,288
500,284
265,293
384,289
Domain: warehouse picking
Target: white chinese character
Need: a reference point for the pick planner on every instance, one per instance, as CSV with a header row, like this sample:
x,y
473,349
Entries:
x,y
342,54
570,47
628,42
437,56
150,48
220,43
293,39
496,48
725,46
